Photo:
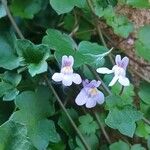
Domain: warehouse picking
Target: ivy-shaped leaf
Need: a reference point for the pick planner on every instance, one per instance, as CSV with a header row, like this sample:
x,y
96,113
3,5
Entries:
x,y
144,92
8,85
64,6
58,41
64,123
123,119
87,125
33,56
27,8
142,43
120,24
34,110
14,137
8,57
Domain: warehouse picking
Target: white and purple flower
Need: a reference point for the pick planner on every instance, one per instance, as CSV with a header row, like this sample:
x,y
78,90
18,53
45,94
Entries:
x,y
90,95
119,71
66,74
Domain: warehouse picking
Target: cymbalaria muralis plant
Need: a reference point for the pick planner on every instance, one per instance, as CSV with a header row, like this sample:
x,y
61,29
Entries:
x,y
56,90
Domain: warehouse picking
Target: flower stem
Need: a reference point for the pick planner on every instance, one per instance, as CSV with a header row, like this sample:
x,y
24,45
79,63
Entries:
x,y
4,2
67,114
122,88
102,127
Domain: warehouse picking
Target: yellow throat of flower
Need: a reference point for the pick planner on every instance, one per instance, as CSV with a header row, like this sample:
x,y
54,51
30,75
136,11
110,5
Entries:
x,y
93,91
67,70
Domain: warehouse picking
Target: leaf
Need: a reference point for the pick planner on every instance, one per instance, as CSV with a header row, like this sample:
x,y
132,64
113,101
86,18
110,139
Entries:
x,y
138,3
120,24
92,141
8,57
87,125
137,147
143,130
123,119
64,123
142,43
120,145
14,137
27,8
8,85
58,41
92,53
33,56
2,11
127,94
34,110
65,6
144,92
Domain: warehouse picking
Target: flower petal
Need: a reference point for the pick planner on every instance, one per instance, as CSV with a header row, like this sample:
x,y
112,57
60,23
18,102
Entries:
x,y
76,78
81,98
67,80
114,80
104,70
64,58
124,81
100,97
71,59
57,77
124,62
90,102
118,60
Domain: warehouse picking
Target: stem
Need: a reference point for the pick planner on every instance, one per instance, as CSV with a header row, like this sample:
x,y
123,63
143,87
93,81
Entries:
x,y
67,114
146,120
4,2
122,88
102,127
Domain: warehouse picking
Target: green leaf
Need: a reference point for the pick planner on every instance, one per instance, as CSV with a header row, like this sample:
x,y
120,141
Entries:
x,y
137,147
138,3
144,92
143,130
120,24
119,146
64,123
142,43
127,94
91,53
2,11
8,85
33,56
34,110
92,141
8,57
58,41
14,137
87,125
123,119
65,6
27,8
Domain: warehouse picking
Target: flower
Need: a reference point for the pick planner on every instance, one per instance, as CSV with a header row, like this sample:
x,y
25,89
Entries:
x,y
119,71
90,95
66,74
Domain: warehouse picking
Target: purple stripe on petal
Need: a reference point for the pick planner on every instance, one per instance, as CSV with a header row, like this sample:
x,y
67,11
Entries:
x,y
118,60
99,97
124,62
67,61
90,102
81,98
